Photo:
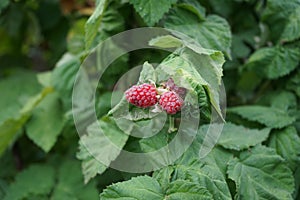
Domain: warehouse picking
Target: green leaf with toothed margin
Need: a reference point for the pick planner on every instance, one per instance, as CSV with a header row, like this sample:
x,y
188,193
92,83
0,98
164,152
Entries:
x,y
268,116
286,142
261,174
151,10
239,137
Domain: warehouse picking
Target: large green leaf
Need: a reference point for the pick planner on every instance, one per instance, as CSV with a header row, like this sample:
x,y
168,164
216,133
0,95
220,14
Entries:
x,y
145,187
35,180
286,142
269,116
152,10
17,93
18,104
46,122
280,99
261,174
99,145
164,176
90,166
63,78
70,185
213,33
293,83
283,19
185,190
274,62
292,28
142,187
166,41
208,177
93,23
239,137
208,172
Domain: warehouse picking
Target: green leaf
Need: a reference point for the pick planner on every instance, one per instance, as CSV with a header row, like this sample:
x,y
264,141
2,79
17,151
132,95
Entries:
x,y
10,127
93,23
63,78
185,190
280,99
192,67
70,185
76,36
147,74
17,93
283,19
293,83
261,174
268,116
274,62
44,78
194,7
284,100
35,180
46,122
112,22
208,172
9,130
155,142
99,145
164,176
286,142
208,177
142,187
239,137
145,187
166,41
120,109
188,176
103,104
213,33
292,29
90,166
151,10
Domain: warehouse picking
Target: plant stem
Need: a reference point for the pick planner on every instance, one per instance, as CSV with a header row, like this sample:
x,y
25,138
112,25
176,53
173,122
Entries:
x,y
171,124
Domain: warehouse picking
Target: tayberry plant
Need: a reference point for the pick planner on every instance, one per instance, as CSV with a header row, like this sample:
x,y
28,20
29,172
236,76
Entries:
x,y
227,70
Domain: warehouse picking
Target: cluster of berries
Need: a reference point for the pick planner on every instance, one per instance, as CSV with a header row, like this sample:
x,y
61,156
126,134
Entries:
x,y
146,95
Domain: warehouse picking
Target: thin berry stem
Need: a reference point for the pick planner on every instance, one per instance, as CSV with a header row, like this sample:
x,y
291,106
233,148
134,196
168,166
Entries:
x,y
171,124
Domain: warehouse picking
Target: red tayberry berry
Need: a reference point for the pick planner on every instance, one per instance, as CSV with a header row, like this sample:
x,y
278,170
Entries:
x,y
171,102
143,95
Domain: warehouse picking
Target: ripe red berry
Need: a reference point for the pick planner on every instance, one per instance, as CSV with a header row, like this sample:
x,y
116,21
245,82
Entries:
x,y
170,102
143,95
